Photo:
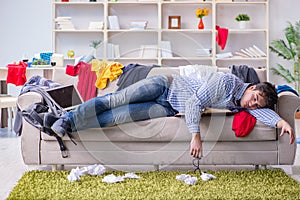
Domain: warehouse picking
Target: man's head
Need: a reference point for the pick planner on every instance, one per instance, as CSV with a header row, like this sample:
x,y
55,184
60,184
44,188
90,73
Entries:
x,y
261,95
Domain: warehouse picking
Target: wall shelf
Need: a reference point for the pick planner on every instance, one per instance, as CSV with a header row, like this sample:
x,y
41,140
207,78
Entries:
x,y
185,42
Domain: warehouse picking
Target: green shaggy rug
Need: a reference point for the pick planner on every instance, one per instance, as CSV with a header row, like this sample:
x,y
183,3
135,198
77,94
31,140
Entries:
x,y
245,184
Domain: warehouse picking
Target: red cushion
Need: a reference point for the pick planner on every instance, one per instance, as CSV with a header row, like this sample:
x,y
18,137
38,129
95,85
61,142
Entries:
x,y
243,123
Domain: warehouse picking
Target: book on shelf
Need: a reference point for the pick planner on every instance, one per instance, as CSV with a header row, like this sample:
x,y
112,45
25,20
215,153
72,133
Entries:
x,y
251,52
64,23
166,50
259,50
148,51
242,54
224,55
116,51
253,55
59,19
245,52
138,25
110,53
96,25
203,52
113,22
254,51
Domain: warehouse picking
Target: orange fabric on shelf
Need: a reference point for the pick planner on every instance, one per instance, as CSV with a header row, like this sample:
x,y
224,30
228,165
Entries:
x,y
106,71
16,73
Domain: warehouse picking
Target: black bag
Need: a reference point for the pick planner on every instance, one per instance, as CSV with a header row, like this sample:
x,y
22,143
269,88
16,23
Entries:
x,y
36,114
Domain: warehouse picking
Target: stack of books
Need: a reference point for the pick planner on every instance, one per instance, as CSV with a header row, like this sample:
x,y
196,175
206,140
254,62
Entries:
x,y
224,55
96,25
203,52
138,25
64,23
251,52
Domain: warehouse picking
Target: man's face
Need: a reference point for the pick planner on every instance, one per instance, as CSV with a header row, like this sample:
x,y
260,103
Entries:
x,y
252,99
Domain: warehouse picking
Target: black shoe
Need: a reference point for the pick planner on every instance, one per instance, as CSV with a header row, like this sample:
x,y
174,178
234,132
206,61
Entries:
x,y
61,127
49,120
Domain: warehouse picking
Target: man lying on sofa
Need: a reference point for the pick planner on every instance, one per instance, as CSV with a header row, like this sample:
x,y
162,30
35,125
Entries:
x,y
161,96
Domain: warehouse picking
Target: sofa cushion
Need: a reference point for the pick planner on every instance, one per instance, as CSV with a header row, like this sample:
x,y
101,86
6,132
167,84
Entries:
x,y
213,128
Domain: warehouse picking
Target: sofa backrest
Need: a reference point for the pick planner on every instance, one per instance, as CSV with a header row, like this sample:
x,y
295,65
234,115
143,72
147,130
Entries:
x,y
59,76
261,73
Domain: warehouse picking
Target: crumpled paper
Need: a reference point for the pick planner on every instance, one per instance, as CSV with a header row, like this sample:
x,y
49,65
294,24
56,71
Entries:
x,y
188,179
115,179
191,180
205,176
91,170
112,179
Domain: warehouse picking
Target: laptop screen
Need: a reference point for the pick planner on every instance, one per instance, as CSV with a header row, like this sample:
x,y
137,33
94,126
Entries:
x,y
66,96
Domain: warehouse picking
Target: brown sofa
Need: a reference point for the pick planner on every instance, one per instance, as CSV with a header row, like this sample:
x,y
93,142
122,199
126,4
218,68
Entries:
x,y
161,142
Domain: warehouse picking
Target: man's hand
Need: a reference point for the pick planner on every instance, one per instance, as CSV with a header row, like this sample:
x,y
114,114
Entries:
x,y
286,128
196,146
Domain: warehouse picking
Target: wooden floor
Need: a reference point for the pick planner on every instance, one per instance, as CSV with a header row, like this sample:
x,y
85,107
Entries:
x,y
12,166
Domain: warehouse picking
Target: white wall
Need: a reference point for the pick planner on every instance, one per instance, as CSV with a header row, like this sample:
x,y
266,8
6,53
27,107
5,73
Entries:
x,y
281,11
26,28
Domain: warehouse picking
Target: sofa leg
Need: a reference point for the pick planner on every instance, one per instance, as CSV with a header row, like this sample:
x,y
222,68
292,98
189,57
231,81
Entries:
x,y
156,167
54,167
264,167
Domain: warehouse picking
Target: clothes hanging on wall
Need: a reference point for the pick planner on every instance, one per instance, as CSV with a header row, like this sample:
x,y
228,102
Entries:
x,y
221,36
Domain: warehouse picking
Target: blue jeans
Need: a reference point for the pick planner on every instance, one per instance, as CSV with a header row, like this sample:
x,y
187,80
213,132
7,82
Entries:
x,y
142,100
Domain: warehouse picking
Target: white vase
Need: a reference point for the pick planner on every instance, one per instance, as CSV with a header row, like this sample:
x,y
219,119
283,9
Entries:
x,y
93,52
242,24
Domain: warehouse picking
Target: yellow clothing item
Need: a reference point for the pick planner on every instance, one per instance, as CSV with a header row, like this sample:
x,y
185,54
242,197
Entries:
x,y
106,71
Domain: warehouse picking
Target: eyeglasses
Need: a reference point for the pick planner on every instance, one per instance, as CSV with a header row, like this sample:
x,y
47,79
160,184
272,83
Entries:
x,y
196,163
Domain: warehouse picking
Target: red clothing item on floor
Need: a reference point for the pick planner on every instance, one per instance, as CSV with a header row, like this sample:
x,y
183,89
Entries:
x,y
243,123
222,36
16,74
86,81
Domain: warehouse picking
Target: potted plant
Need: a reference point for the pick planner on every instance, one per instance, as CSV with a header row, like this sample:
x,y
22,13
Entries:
x,y
242,19
288,50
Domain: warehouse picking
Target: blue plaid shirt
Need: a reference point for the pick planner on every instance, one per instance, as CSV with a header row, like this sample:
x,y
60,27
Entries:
x,y
219,90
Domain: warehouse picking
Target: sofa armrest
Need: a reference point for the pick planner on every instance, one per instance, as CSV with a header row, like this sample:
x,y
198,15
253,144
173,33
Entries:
x,y
287,105
30,136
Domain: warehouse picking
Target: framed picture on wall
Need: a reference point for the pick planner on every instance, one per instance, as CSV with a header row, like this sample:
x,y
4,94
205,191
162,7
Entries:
x,y
174,22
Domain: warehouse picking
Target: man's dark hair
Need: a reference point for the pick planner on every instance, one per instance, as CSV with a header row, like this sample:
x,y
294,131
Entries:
x,y
269,93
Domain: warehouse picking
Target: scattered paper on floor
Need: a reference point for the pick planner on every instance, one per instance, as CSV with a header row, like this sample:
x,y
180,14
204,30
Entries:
x,y
91,170
191,180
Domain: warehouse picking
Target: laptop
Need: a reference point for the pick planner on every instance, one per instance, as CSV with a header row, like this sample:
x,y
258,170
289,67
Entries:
x,y
66,96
